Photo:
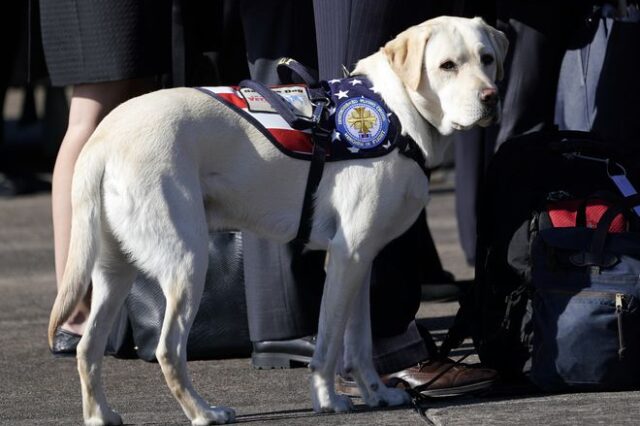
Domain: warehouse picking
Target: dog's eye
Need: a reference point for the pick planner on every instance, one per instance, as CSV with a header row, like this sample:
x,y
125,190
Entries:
x,y
448,66
486,59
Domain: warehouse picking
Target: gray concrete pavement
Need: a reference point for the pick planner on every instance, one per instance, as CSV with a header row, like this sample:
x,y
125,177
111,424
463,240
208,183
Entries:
x,y
36,389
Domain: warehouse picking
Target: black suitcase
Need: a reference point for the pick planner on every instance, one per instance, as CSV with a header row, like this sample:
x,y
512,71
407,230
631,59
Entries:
x,y
220,330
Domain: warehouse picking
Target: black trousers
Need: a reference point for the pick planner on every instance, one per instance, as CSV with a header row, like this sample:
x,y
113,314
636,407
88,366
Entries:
x,y
283,289
538,40
538,34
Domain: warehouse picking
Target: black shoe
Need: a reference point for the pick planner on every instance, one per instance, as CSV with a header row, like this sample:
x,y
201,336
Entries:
x,y
65,343
446,289
293,353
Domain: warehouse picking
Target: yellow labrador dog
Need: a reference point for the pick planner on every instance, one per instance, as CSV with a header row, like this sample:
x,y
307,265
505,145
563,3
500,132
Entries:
x,y
163,168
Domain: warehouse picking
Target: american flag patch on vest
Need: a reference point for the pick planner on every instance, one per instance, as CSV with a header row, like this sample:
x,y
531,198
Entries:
x,y
358,123
253,104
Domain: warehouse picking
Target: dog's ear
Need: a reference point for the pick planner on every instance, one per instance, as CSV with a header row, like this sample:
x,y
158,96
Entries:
x,y
500,46
405,54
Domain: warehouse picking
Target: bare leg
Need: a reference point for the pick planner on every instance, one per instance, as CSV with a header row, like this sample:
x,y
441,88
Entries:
x,y
89,104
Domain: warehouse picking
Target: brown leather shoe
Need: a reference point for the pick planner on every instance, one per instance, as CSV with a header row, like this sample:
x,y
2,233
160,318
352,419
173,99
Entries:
x,y
432,378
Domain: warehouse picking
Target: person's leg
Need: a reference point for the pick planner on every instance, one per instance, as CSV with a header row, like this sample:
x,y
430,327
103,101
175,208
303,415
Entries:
x,y
538,41
347,31
89,104
276,29
283,287
283,290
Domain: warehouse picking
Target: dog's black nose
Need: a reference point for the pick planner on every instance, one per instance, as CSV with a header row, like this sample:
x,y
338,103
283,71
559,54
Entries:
x,y
489,96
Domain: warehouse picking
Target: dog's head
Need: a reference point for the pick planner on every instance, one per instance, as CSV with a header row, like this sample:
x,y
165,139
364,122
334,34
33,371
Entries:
x,y
449,67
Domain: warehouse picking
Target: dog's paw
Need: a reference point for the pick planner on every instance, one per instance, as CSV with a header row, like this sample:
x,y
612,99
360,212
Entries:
x,y
324,397
215,416
334,404
110,418
387,397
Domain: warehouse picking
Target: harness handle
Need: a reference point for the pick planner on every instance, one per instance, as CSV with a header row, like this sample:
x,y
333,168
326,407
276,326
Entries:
x,y
287,67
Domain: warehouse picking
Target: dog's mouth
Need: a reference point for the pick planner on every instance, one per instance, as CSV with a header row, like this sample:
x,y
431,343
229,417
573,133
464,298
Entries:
x,y
488,120
458,126
488,117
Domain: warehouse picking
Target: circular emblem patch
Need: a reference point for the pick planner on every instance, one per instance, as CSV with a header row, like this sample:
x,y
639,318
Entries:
x,y
363,123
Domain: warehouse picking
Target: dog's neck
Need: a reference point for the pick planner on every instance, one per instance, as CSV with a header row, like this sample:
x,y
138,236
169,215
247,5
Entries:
x,y
416,120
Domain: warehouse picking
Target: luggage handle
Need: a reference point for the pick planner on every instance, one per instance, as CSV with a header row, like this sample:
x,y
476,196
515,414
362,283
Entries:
x,y
579,145
618,175
581,213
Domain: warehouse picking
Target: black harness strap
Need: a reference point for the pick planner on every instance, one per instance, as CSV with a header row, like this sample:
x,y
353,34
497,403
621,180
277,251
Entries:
x,y
313,181
320,140
409,148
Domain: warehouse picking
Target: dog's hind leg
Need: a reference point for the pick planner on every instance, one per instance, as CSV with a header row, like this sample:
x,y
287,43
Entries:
x,y
112,279
358,361
183,285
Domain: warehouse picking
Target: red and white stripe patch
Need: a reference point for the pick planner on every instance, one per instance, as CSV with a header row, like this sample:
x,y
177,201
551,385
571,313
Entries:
x,y
297,141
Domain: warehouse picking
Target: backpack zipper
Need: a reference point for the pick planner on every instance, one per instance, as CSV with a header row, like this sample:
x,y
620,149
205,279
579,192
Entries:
x,y
619,314
619,303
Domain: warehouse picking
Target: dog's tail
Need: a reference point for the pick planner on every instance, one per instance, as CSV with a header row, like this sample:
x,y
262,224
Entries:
x,y
86,197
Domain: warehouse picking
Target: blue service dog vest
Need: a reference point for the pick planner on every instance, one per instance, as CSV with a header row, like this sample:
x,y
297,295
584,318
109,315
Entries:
x,y
358,122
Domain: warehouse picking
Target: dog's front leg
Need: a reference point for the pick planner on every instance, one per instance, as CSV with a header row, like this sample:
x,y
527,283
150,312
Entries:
x,y
347,272
358,361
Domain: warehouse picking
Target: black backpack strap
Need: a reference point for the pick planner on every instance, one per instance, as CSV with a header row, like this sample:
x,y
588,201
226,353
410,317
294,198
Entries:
x,y
581,213
457,333
597,257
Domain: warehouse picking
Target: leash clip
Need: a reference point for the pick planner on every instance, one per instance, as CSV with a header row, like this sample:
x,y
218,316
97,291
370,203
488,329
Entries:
x,y
319,106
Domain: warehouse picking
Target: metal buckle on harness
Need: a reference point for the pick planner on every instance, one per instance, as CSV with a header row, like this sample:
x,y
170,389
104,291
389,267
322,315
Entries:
x,y
319,107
